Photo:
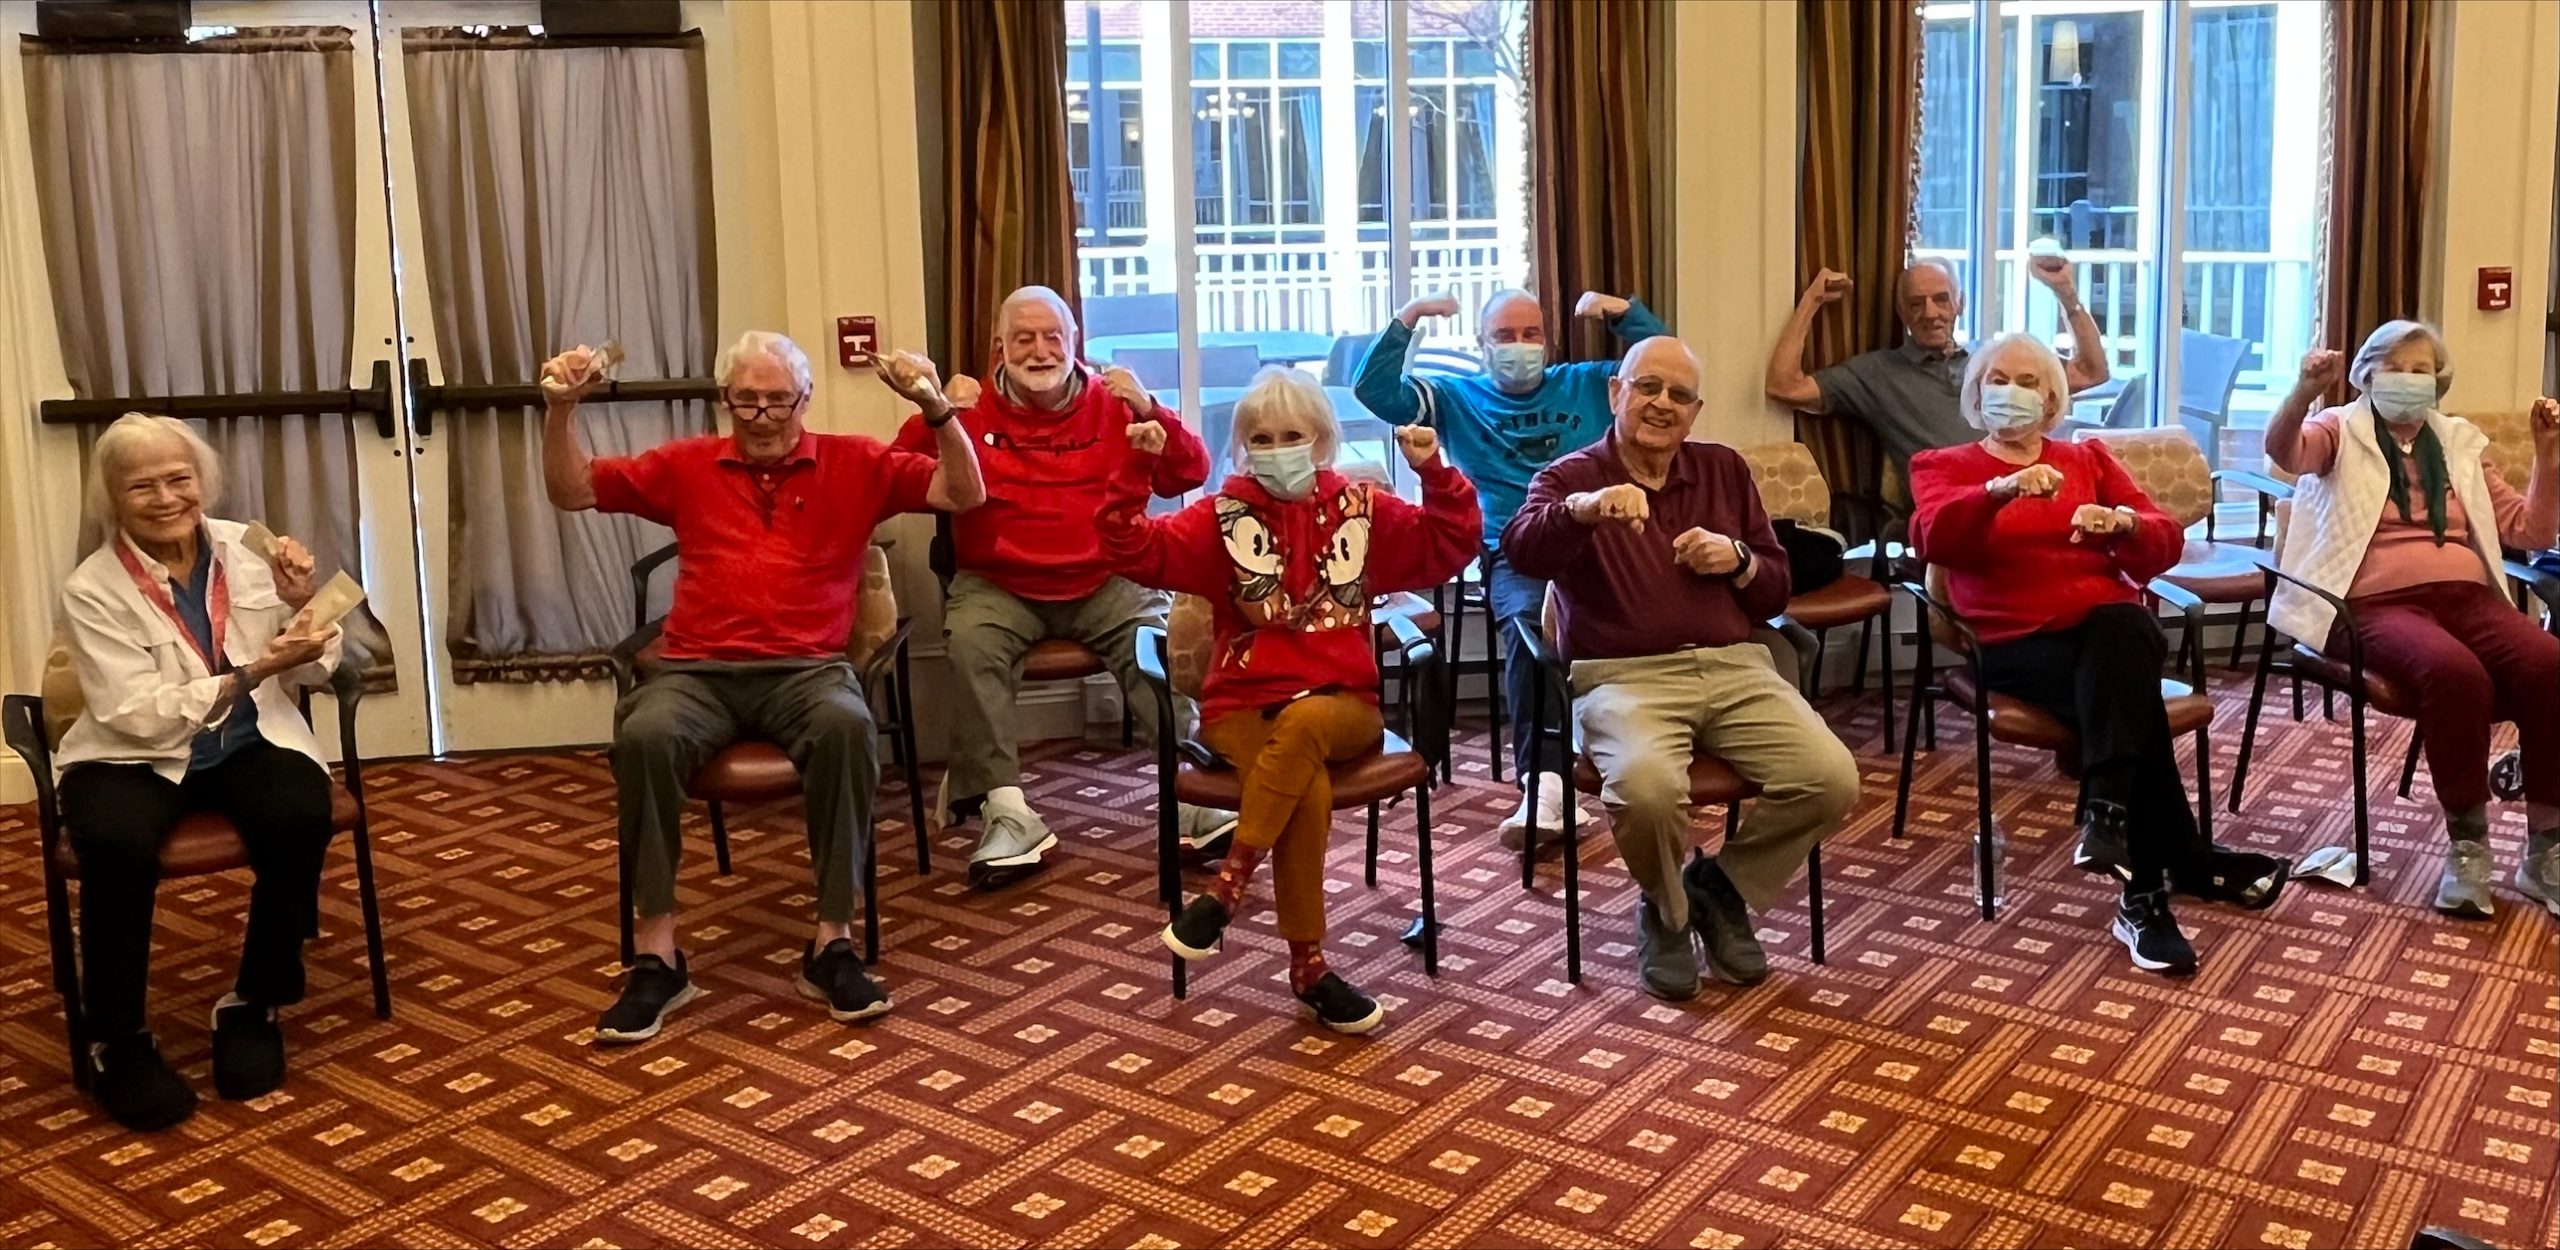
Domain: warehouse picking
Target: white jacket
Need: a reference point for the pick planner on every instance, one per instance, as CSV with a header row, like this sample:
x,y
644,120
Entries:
x,y
2335,514
147,692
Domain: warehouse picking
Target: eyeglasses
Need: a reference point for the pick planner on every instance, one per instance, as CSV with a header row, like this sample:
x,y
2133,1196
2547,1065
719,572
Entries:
x,y
762,407
1652,388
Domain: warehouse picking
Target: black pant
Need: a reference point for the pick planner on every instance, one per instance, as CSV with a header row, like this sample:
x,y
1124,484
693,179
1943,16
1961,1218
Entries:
x,y
117,816
2102,678
1515,598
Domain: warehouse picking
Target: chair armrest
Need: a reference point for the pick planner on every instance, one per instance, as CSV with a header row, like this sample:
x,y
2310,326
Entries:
x,y
2175,596
346,685
641,569
2259,482
2346,612
625,655
2544,585
1418,648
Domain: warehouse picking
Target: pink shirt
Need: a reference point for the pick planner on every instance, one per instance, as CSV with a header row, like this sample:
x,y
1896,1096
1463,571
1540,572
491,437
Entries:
x,y
2404,551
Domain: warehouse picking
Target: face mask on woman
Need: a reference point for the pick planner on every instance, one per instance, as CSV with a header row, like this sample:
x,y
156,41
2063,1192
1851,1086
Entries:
x,y
1286,472
2007,409
1517,366
2402,397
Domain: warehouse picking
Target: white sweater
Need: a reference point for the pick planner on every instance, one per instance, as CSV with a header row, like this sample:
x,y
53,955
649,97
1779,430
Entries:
x,y
2336,512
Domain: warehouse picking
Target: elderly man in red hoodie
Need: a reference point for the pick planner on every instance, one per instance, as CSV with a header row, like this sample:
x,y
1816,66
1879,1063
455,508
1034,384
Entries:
x,y
1050,433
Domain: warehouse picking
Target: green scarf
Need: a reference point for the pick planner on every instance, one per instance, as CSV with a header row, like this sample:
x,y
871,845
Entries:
x,y
2431,471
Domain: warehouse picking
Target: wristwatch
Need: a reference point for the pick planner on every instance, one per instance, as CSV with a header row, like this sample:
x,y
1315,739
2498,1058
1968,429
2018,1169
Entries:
x,y
1742,552
933,422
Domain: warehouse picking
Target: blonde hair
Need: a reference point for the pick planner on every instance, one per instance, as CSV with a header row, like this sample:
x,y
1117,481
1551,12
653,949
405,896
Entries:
x,y
117,448
2389,335
2048,366
756,343
1280,391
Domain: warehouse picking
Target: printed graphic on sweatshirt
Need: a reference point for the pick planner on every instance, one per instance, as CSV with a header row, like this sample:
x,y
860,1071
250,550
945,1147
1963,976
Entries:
x,y
1332,587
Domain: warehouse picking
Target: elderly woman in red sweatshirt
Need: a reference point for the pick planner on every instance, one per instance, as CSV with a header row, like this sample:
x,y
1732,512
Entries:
x,y
2400,512
1290,553
2046,546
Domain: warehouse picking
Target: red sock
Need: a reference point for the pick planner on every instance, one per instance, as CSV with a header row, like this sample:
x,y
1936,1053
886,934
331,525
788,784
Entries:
x,y
1306,965
1241,860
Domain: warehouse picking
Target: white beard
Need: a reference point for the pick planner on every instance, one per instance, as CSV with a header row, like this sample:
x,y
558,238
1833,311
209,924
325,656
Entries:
x,y
1037,381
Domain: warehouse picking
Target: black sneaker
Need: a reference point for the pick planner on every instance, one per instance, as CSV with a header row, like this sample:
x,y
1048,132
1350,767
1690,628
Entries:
x,y
1340,1007
136,1088
2146,928
835,976
2103,846
1195,933
650,994
248,1050
1723,922
2244,879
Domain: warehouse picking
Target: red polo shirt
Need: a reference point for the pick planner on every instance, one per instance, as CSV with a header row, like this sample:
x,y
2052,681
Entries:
x,y
772,554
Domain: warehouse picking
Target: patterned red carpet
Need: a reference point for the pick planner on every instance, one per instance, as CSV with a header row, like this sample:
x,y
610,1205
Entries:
x,y
2347,1067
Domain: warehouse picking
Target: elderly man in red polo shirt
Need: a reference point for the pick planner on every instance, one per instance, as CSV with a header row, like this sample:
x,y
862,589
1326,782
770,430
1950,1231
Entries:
x,y
772,521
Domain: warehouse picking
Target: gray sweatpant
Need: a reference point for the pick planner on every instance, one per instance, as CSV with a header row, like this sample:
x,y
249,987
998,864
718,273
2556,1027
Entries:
x,y
990,629
673,722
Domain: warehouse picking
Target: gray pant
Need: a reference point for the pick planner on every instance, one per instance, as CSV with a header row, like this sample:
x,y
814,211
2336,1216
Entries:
x,y
990,629
672,723
1643,719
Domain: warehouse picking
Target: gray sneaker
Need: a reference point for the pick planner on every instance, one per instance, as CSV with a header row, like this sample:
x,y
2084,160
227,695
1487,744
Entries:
x,y
2464,889
1666,958
1010,849
1723,922
2538,877
1206,830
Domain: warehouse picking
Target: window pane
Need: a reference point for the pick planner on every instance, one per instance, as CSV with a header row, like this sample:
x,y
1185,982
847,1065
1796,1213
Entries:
x,y
1108,156
1248,60
1475,60
1301,60
1297,135
1948,186
1369,107
1248,116
1370,59
1430,58
1079,66
1208,158
1125,153
1474,136
1204,61
1120,62
1428,118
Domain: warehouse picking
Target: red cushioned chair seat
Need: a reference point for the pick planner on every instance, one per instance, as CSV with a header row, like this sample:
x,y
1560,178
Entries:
x,y
1711,780
2219,572
746,771
2386,695
1389,771
205,842
1846,601
1059,659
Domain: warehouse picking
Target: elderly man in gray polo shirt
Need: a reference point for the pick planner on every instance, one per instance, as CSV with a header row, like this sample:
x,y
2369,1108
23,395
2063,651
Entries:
x,y
1907,394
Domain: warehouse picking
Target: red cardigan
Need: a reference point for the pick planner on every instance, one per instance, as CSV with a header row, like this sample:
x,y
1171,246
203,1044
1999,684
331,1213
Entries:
x,y
2013,569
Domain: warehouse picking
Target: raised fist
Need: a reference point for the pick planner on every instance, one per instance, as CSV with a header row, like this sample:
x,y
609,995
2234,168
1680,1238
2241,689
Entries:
x,y
1829,286
1125,386
1147,437
1420,444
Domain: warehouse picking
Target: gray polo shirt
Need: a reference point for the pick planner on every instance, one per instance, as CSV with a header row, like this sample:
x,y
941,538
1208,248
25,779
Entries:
x,y
1906,395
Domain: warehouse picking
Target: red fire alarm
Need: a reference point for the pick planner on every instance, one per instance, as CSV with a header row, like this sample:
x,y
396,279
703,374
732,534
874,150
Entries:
x,y
857,338
2497,288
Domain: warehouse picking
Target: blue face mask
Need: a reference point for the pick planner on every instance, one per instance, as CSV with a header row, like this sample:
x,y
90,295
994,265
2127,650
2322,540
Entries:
x,y
2006,409
2401,397
1516,366
1287,472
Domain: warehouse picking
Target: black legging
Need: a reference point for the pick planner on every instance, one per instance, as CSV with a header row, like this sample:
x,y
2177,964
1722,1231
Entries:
x,y
2102,678
117,815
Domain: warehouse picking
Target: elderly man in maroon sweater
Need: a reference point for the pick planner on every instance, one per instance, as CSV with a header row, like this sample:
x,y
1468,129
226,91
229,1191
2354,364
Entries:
x,y
1663,562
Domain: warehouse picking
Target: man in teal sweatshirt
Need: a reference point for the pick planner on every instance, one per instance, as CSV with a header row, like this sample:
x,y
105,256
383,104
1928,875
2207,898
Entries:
x,y
1500,429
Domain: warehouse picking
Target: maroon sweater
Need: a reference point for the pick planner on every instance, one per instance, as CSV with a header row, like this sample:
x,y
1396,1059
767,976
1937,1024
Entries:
x,y
1621,594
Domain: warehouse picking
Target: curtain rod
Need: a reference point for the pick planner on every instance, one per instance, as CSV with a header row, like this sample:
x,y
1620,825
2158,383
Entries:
x,y
375,399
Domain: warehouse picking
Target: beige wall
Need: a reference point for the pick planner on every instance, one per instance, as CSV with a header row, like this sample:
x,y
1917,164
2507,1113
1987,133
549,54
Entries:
x,y
2494,189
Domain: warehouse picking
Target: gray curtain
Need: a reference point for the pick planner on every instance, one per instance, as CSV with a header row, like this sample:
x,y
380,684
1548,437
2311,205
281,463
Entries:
x,y
198,211
565,195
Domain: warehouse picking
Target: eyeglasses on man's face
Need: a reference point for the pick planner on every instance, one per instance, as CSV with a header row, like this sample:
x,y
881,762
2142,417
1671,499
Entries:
x,y
769,406
1651,387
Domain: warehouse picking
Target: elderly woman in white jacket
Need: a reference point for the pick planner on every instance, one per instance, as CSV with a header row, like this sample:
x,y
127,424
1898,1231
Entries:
x,y
185,642
2401,514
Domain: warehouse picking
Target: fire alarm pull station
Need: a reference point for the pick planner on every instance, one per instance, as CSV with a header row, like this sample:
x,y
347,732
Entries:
x,y
2497,289
857,339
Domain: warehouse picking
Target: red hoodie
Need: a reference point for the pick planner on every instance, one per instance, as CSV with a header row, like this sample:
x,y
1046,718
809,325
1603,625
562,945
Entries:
x,y
1291,580
1047,476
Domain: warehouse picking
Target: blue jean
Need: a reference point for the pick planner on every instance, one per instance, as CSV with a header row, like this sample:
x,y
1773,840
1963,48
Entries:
x,y
1518,598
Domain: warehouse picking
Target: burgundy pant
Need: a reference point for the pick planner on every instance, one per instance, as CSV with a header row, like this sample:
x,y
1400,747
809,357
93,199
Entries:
x,y
2474,660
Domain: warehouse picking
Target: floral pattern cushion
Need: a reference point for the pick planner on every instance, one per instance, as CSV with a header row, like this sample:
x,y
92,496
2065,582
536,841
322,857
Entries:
x,y
1791,485
2167,465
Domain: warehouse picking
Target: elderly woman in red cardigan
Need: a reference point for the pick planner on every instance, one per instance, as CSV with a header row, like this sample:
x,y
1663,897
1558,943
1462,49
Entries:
x,y
2046,546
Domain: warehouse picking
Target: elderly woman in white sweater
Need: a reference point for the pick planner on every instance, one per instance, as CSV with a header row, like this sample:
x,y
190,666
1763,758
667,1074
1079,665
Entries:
x,y
184,641
2401,513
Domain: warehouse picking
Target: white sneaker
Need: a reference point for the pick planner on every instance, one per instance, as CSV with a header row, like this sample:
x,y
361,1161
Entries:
x,y
1205,829
1014,842
1553,792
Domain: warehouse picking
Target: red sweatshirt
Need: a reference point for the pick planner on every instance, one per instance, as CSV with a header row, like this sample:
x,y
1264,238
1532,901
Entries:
x,y
1047,476
1291,580
2012,568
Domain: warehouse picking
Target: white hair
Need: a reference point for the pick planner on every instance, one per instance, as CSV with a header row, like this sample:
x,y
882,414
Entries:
x,y
1484,314
755,343
1939,263
1035,295
125,440
2048,366
2392,334
1280,391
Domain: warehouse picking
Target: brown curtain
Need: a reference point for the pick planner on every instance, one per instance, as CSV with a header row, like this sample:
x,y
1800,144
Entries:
x,y
1592,114
1861,76
2381,128
1009,216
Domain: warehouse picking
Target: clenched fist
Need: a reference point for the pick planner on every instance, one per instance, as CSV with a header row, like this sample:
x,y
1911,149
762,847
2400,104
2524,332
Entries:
x,y
1705,552
962,391
2546,433
1595,304
1125,386
293,567
1625,503
914,379
1829,287
1420,444
572,375
2097,521
2053,269
2321,369
1147,437
1442,305
2033,481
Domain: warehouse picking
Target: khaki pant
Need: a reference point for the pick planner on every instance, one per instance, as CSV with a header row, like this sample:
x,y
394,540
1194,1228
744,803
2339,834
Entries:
x,y
990,630
1643,719
1288,796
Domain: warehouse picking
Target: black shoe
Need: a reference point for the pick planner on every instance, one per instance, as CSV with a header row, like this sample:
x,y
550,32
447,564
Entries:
x,y
1340,1007
2103,845
650,994
1666,958
2146,928
1723,922
136,1088
835,976
248,1050
2244,879
1195,933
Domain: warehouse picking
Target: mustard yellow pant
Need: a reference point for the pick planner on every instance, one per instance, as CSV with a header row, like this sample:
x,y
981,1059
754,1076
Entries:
x,y
1288,796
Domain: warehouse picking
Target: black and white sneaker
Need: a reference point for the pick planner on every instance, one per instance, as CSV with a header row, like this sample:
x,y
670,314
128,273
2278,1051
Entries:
x,y
248,1049
835,976
650,994
1340,1007
2146,928
1196,933
2104,848
136,1087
